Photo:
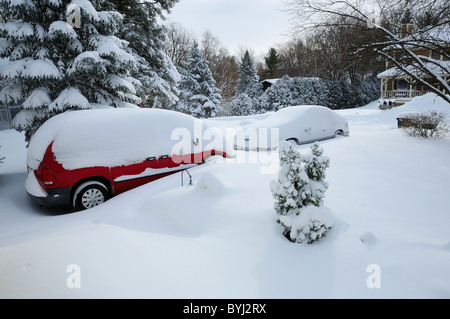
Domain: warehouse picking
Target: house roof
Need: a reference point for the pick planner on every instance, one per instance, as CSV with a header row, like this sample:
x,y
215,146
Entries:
x,y
438,35
436,69
271,81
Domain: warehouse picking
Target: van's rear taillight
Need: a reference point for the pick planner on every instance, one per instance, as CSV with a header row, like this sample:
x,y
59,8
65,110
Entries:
x,y
48,178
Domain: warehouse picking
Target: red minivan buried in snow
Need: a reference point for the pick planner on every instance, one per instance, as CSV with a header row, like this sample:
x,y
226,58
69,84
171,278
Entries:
x,y
82,158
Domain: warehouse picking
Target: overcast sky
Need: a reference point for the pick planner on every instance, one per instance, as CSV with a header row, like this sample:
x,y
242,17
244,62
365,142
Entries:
x,y
254,24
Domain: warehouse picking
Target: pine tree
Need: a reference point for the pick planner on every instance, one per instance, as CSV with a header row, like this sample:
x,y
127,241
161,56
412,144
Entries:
x,y
315,166
54,66
272,60
199,95
248,75
289,188
147,40
298,192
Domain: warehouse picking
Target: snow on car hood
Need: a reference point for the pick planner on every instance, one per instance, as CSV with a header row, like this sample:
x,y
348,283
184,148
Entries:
x,y
115,137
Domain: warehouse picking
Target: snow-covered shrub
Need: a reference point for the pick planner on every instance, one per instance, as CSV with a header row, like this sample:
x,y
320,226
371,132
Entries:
x,y
335,94
311,225
280,94
242,105
298,190
431,124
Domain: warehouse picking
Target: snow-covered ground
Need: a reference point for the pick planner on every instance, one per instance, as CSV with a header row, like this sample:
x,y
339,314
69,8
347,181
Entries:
x,y
218,238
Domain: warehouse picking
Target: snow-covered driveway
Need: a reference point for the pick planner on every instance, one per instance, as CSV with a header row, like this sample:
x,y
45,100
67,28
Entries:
x,y
218,238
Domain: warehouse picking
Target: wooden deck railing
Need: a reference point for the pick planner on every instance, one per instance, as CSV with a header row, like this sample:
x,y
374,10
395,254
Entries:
x,y
402,94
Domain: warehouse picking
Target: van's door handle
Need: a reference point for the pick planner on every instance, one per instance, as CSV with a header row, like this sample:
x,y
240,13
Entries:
x,y
164,156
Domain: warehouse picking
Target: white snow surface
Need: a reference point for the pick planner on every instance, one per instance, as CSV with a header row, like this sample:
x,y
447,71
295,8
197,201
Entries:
x,y
218,238
70,97
44,68
38,98
62,27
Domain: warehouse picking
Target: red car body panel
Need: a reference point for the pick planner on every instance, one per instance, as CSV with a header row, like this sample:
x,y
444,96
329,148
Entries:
x,y
53,177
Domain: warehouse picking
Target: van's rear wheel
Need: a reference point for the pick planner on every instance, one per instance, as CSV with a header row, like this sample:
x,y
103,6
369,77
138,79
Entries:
x,y
90,195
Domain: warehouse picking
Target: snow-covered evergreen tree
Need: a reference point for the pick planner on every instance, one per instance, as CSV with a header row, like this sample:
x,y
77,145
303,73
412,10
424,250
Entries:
x,y
335,97
147,40
272,60
280,94
261,104
199,95
242,105
55,66
298,193
315,167
289,188
248,75
335,94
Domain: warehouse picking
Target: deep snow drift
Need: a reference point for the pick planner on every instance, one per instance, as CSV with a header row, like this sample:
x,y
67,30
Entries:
x,y
218,237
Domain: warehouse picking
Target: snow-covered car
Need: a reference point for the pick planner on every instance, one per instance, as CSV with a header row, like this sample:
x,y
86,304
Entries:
x,y
298,124
82,158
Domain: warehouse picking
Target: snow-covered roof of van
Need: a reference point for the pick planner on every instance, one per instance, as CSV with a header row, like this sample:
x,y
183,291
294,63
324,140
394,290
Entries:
x,y
111,137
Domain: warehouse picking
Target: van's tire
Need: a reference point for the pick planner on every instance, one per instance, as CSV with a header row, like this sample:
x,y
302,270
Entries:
x,y
293,141
338,133
89,195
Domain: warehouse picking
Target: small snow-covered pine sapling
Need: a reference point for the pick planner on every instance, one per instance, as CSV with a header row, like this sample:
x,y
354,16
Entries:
x,y
289,188
299,191
315,166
